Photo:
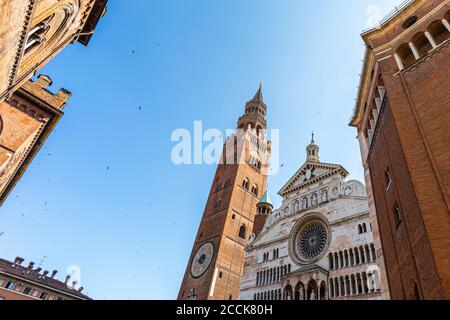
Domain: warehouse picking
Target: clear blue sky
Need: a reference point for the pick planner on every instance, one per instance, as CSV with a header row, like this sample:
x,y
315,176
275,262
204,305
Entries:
x,y
130,228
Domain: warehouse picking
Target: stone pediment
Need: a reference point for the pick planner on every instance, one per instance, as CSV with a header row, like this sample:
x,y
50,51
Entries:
x,y
311,173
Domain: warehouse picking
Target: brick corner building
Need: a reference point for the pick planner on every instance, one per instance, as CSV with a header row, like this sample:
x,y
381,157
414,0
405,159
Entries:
x,y
402,116
32,33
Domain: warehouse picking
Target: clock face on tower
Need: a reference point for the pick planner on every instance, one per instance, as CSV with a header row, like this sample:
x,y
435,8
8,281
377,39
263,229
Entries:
x,y
202,260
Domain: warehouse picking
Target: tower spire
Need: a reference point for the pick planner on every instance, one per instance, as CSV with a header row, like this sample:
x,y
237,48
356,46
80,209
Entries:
x,y
258,96
312,151
255,112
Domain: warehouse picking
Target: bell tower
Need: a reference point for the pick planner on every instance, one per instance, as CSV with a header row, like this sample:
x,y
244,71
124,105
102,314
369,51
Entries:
x,y
216,263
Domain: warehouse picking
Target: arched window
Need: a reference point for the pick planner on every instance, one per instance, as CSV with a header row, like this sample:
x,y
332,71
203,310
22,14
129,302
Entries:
x,y
374,253
36,34
361,254
330,261
341,260
364,280
387,178
246,183
331,288
357,260
242,231
422,44
359,283
438,31
406,55
336,287
347,286
336,261
397,215
342,286
255,190
367,252
353,282
352,258
364,228
360,230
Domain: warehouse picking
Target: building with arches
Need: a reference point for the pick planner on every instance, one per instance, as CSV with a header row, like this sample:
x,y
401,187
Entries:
x,y
402,115
318,245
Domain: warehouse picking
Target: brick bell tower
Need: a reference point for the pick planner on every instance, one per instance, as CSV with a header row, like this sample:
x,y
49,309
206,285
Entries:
x,y
216,263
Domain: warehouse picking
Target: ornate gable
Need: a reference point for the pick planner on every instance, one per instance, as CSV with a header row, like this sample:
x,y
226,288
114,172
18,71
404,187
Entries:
x,y
311,173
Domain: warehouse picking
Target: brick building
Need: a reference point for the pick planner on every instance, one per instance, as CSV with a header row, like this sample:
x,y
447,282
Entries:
x,y
318,245
20,282
402,117
33,32
216,262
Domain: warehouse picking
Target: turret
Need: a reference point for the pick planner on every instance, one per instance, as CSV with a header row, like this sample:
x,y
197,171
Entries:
x,y
263,210
312,151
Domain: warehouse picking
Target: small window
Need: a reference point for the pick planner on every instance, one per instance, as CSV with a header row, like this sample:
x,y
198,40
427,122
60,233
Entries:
x,y
43,296
218,204
220,274
27,291
10,285
360,231
255,190
60,298
388,180
397,215
242,231
246,184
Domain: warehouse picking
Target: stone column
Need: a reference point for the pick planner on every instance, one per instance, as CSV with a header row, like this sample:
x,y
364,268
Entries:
x,y
431,39
446,24
399,61
414,51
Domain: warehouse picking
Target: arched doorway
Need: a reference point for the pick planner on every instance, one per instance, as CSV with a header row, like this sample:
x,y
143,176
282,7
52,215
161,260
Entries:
x,y
287,293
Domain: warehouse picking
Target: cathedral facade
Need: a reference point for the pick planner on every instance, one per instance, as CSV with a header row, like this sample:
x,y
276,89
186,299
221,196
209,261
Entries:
x,y
318,245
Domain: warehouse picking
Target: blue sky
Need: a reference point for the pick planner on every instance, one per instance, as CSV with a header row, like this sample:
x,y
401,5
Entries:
x,y
130,228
